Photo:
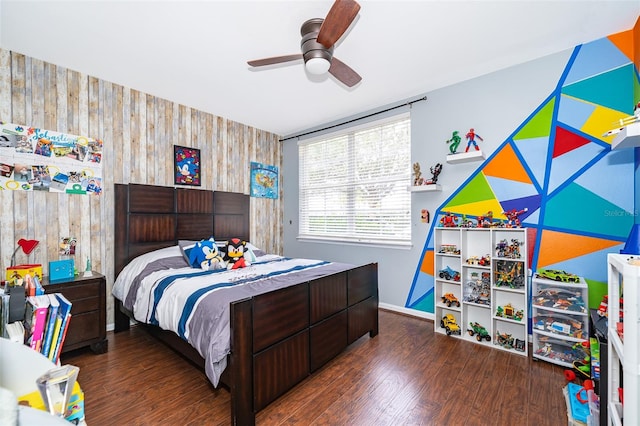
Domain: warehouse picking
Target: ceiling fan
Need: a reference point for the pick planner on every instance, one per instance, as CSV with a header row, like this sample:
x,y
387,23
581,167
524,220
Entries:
x,y
318,39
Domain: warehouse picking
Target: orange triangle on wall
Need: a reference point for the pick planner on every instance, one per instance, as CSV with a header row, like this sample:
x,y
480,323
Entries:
x,y
624,41
427,263
506,165
557,247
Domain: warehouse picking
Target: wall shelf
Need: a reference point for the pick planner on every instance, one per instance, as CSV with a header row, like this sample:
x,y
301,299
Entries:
x,y
465,157
628,137
425,188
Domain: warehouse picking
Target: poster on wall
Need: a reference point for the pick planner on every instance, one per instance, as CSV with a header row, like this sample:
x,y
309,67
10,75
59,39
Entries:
x,y
186,163
33,159
264,181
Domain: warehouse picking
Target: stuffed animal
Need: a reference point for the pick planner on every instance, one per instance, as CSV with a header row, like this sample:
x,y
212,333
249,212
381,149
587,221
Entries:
x,y
235,254
205,255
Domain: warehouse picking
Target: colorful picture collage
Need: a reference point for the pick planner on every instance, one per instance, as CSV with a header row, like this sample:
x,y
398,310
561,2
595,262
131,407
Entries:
x,y
33,159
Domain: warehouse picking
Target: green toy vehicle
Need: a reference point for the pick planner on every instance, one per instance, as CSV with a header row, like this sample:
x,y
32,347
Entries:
x,y
479,331
557,275
448,322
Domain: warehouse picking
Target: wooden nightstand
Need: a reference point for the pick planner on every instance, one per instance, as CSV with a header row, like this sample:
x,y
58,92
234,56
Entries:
x,y
88,326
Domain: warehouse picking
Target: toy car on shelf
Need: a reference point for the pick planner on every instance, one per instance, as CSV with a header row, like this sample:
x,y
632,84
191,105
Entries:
x,y
450,299
449,323
449,274
558,275
479,331
449,249
505,340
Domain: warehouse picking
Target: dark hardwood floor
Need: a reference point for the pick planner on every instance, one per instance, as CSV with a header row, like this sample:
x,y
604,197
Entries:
x,y
412,377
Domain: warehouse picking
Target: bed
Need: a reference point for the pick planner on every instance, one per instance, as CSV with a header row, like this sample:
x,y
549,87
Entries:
x,y
277,337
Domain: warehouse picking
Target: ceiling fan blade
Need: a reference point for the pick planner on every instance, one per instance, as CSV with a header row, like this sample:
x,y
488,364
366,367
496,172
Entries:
x,y
342,13
344,73
274,60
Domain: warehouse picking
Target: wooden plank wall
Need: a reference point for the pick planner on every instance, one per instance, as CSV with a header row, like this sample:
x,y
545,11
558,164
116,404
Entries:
x,y
138,132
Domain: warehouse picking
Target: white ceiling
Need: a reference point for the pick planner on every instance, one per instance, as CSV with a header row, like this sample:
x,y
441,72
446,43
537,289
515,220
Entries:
x,y
195,52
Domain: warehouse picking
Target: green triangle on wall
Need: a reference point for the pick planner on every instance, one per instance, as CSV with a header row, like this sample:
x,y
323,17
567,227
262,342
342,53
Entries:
x,y
477,189
539,125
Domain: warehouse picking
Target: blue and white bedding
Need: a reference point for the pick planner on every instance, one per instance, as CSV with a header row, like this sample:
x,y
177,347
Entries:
x,y
160,288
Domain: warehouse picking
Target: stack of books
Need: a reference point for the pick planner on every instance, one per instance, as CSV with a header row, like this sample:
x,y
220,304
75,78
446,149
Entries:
x,y
46,322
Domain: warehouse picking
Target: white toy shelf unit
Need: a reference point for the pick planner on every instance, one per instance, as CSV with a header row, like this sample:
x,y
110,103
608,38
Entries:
x,y
481,286
624,338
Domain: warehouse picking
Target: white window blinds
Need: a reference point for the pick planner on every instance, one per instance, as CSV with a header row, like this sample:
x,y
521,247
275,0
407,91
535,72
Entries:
x,y
353,184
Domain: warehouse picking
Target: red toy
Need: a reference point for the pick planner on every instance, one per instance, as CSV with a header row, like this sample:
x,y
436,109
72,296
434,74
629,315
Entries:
x,y
471,138
449,220
485,221
513,220
603,309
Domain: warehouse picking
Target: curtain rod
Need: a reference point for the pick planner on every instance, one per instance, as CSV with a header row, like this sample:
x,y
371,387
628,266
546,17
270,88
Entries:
x,y
424,98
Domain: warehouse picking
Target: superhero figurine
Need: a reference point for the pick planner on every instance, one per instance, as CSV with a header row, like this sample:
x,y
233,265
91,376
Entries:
x,y
455,141
471,139
435,172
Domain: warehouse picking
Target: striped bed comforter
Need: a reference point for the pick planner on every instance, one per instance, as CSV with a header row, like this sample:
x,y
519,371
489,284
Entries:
x,y
161,289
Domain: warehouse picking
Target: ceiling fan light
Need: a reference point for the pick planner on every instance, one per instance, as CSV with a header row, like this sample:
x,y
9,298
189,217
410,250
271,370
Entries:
x,y
317,66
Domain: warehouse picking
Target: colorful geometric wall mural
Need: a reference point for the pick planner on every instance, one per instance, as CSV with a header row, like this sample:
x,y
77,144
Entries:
x,y
579,194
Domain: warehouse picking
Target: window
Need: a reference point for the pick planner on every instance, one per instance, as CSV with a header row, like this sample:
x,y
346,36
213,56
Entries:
x,y
353,184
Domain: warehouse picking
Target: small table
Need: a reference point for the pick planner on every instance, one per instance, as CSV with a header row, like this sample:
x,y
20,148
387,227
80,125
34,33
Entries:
x,y
88,326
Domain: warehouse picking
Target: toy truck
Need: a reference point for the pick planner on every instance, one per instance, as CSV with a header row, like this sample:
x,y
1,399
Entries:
x,y
449,274
450,325
450,299
479,331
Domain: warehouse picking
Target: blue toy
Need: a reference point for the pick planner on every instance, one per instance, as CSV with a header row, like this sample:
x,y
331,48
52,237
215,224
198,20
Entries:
x,y
205,255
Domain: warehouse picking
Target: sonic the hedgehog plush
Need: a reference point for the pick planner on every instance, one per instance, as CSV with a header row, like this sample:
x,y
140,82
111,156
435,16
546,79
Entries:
x,y
205,255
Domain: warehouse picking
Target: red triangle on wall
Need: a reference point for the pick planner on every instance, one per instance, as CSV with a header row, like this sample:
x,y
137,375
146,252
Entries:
x,y
567,141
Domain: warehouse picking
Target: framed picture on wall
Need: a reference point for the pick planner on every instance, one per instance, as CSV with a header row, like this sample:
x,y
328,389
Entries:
x,y
186,168
264,180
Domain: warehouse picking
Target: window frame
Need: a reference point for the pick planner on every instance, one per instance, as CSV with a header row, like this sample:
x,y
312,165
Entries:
x,y
401,188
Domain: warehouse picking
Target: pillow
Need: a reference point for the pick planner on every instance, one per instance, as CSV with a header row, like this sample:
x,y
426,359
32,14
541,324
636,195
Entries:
x,y
255,250
185,247
203,254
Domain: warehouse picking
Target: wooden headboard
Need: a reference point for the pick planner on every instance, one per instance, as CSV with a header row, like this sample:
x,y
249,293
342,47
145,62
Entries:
x,y
149,217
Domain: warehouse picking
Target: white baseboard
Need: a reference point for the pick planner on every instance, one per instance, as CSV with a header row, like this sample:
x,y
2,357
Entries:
x,y
407,311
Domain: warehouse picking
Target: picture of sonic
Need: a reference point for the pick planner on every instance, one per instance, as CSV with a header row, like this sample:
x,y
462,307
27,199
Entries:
x,y
187,162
